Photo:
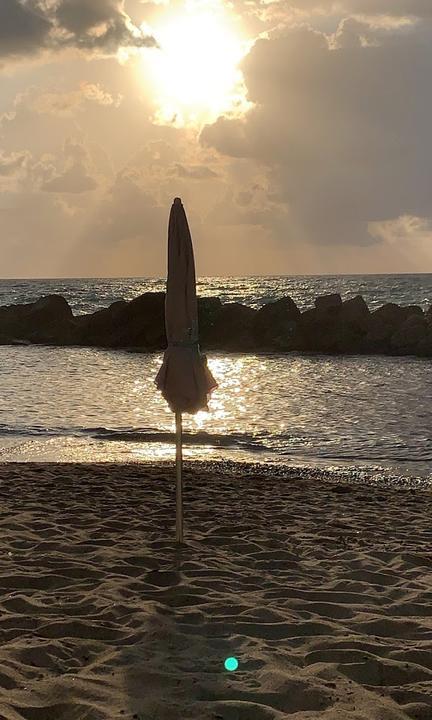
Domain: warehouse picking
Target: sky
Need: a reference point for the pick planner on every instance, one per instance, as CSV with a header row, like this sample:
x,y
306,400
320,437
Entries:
x,y
296,132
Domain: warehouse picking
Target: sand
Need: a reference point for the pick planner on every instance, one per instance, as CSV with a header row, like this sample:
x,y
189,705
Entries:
x,y
322,591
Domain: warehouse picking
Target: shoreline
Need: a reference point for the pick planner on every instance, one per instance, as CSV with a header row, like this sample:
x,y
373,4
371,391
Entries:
x,y
321,590
361,473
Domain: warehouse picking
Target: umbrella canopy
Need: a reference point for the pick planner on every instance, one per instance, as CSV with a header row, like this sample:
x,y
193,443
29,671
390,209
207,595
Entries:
x,y
184,378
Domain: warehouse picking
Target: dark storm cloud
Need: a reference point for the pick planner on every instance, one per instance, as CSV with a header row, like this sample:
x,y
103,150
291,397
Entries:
x,y
344,135
23,28
29,26
99,24
397,8
81,16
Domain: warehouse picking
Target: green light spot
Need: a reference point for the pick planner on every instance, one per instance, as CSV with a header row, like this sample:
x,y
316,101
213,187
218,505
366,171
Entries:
x,y
231,663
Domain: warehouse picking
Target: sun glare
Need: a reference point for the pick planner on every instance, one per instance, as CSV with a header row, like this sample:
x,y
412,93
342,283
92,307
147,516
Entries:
x,y
194,74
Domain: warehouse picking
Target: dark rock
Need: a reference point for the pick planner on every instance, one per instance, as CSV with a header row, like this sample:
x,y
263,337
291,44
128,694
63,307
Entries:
x,y
98,328
233,329
351,325
7,340
424,346
389,314
49,319
349,338
319,328
408,335
116,307
317,332
209,310
413,310
332,326
147,302
356,313
383,325
95,328
49,309
48,329
62,333
275,324
309,331
328,303
141,322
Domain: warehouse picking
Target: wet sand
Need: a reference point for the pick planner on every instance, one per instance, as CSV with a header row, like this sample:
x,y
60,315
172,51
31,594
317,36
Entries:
x,y
322,591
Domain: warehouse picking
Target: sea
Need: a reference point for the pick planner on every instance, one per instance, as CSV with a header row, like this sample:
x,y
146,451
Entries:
x,y
368,418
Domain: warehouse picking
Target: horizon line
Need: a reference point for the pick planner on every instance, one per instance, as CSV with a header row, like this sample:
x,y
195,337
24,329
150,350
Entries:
x,y
206,277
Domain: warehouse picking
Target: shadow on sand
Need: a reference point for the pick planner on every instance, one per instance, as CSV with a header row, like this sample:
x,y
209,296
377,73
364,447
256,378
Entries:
x,y
177,669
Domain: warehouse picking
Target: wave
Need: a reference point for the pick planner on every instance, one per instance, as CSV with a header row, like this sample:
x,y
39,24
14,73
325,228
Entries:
x,y
427,457
88,294
239,440
282,445
142,435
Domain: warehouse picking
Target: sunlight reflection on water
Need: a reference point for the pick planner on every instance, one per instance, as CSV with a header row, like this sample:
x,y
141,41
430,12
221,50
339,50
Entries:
x,y
89,294
104,405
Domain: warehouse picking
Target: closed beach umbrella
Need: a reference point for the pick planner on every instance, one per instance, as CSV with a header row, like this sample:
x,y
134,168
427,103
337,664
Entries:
x,y
184,378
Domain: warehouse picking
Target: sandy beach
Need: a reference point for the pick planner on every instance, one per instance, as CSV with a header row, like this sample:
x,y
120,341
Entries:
x,y
322,591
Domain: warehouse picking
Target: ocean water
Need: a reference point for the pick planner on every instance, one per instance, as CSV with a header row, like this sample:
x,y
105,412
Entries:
x,y
370,415
89,294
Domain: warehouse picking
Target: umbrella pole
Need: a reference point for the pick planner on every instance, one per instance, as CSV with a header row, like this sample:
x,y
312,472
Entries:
x,y
179,479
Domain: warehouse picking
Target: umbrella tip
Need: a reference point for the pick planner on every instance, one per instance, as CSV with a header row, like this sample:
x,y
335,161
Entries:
x,y
177,201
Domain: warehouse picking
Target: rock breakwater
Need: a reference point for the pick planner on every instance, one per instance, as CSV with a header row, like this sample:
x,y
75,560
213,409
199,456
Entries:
x,y
332,326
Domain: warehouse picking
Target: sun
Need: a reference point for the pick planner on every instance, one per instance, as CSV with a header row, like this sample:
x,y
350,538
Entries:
x,y
194,74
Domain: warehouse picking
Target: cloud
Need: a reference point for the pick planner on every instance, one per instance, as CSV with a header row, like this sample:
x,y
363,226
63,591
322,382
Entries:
x,y
395,8
404,228
23,28
401,8
36,233
251,205
262,16
66,103
126,234
80,17
99,25
128,211
95,93
28,27
12,164
229,137
73,180
194,172
342,134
